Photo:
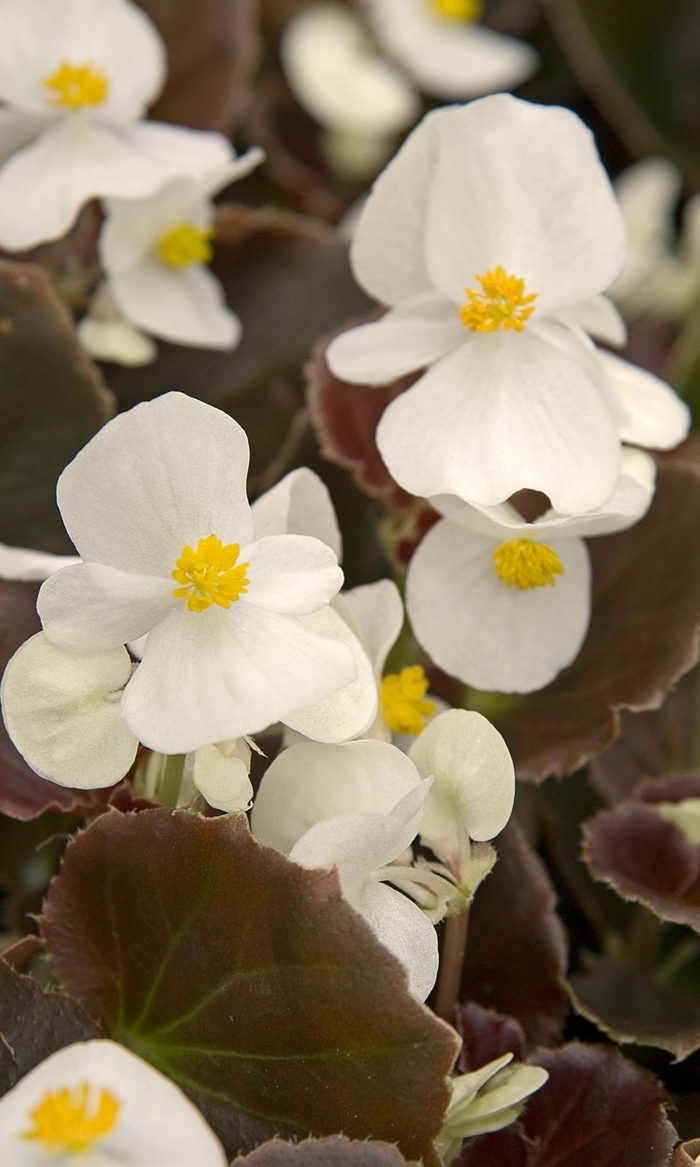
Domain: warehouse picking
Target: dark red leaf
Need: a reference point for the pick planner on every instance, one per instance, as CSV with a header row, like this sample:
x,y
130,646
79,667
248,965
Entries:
x,y
486,1036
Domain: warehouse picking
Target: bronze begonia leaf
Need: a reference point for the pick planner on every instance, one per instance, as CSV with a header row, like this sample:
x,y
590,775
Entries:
x,y
335,1151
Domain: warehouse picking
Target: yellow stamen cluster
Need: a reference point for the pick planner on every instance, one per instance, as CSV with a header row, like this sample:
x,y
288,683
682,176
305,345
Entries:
x,y
186,244
77,85
527,564
210,574
459,9
402,700
70,1122
501,303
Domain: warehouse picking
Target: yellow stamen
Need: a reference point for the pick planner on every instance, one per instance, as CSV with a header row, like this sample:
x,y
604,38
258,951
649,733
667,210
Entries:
x,y
459,9
527,564
402,702
501,303
210,574
77,85
186,244
70,1122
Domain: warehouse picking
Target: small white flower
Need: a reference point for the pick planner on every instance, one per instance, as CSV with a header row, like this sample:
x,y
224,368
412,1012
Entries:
x,y
99,1104
487,1099
106,335
491,235
155,252
355,806
445,51
361,100
156,506
76,76
503,604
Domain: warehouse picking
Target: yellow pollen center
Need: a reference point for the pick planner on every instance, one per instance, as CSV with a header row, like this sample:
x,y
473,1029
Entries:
x,y
459,9
527,564
402,700
500,304
77,85
70,1122
210,574
186,244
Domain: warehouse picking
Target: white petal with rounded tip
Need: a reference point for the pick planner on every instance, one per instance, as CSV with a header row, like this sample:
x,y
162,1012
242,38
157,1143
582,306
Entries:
x,y
335,74
91,608
291,574
501,638
182,305
648,192
504,412
44,185
409,337
114,37
156,1124
349,711
220,674
600,317
300,504
221,774
651,412
404,929
474,783
23,563
489,205
63,714
375,613
166,474
117,341
311,782
453,60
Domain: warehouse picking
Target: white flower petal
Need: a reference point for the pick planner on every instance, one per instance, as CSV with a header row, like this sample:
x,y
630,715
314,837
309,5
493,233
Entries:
x,y
300,504
215,675
651,412
292,574
92,608
309,783
600,318
502,638
166,474
406,931
349,711
23,563
221,774
409,337
117,341
63,714
182,305
375,613
490,203
156,1123
19,127
451,60
505,412
474,783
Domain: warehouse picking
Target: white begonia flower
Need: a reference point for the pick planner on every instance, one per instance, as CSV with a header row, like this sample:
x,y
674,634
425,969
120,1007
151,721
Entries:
x,y
222,774
107,336
155,252
503,604
63,713
157,499
96,1103
648,411
23,563
473,789
661,274
445,51
76,76
487,1099
360,100
356,806
512,197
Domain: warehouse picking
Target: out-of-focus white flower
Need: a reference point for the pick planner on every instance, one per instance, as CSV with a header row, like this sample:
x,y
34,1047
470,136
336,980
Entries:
x,y
358,807
156,505
487,1099
107,336
504,604
445,50
661,274
360,100
22,563
76,76
155,252
491,234
685,815
97,1103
